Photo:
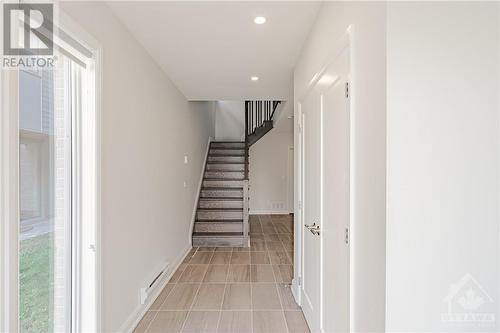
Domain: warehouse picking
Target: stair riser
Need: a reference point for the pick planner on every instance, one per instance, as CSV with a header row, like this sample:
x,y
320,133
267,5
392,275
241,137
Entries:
x,y
228,167
220,241
221,194
225,175
227,145
220,204
238,159
223,183
219,215
227,151
218,227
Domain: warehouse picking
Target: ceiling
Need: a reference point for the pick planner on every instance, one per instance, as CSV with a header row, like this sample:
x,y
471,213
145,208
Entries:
x,y
211,49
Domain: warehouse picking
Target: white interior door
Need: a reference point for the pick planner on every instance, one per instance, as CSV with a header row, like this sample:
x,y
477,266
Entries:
x,y
325,215
311,242
335,195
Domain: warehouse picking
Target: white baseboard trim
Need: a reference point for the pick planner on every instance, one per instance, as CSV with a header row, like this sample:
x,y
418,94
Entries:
x,y
296,291
200,183
268,212
133,320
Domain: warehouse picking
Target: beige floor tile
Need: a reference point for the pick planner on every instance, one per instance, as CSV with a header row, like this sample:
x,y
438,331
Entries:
x,y
261,273
287,299
161,298
240,258
237,297
290,255
216,273
296,322
277,274
271,246
280,227
281,218
257,246
286,272
268,228
188,257
265,218
235,322
239,273
288,245
181,297
241,249
209,297
206,249
272,238
224,249
279,258
168,321
252,218
265,297
144,323
221,258
285,237
175,277
201,258
193,273
201,322
259,258
255,227
269,322
257,237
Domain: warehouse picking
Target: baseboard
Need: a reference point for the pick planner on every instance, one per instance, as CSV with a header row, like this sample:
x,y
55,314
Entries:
x,y
296,291
269,212
133,320
200,183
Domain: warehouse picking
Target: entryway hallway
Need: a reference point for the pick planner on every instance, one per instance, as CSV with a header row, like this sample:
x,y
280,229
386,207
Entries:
x,y
232,290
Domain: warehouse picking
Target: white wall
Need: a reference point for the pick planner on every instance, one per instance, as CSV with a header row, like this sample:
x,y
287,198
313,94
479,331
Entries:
x,y
268,169
147,127
442,169
230,121
368,99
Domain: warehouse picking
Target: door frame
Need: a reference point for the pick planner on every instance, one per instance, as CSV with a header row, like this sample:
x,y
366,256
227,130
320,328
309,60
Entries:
x,y
346,41
290,178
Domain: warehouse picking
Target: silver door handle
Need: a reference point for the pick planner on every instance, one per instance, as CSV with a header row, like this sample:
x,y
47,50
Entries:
x,y
314,229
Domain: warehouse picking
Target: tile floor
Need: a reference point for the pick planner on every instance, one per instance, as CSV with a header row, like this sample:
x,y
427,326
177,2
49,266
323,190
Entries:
x,y
233,290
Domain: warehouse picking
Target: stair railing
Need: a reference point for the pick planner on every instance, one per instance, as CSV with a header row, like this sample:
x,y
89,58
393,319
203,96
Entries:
x,y
257,113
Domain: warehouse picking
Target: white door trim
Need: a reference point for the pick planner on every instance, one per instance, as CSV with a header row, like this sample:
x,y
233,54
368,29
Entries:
x,y
346,41
290,177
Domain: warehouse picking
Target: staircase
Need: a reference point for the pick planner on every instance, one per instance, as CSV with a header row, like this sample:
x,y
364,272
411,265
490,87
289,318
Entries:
x,y
222,212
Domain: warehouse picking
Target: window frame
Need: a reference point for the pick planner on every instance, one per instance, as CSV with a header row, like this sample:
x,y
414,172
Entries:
x,y
90,194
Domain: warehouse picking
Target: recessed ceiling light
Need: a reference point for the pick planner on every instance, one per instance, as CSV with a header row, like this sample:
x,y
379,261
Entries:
x,y
259,20
254,78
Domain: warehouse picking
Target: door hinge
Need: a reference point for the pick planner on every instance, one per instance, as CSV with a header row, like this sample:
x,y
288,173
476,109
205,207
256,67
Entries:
x,y
300,204
346,236
347,90
299,280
